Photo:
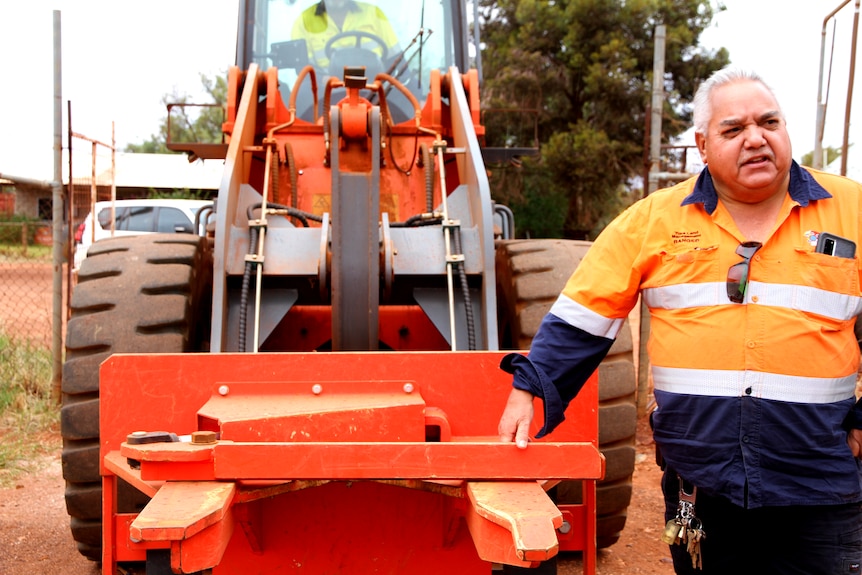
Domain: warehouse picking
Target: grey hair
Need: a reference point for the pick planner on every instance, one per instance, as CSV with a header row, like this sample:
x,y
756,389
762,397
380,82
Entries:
x,y
702,102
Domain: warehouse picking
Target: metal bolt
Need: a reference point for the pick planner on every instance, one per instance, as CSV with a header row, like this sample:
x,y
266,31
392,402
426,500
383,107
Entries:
x,y
316,389
203,437
565,527
139,434
408,388
223,390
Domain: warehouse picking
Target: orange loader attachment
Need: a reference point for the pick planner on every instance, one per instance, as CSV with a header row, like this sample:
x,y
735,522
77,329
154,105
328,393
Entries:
x,y
373,462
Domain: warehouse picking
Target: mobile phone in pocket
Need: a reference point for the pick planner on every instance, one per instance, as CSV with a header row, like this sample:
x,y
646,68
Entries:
x,y
833,245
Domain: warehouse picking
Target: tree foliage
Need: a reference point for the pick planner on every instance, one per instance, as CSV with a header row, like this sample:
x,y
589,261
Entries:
x,y
189,121
831,154
585,68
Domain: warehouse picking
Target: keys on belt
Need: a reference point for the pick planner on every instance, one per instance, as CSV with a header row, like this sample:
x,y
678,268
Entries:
x,y
686,528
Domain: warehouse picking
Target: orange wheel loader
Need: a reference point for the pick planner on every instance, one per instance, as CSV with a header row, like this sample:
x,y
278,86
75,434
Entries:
x,y
311,383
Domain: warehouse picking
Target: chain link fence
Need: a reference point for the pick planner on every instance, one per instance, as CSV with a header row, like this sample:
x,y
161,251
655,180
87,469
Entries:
x,y
26,282
26,240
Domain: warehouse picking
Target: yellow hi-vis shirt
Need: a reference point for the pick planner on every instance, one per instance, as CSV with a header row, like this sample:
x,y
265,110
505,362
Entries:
x,y
316,27
754,398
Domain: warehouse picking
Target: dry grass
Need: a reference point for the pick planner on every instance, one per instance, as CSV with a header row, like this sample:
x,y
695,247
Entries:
x,y
29,415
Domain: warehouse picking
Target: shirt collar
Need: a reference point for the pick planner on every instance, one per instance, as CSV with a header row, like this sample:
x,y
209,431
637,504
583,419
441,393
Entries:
x,y
321,7
803,188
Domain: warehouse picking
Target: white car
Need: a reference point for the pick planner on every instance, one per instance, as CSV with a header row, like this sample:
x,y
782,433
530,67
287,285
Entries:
x,y
135,217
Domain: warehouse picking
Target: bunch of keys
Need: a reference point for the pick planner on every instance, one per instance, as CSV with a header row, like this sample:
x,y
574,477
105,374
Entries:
x,y
686,528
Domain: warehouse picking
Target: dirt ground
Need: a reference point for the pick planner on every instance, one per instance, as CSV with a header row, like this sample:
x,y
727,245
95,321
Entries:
x,y
34,527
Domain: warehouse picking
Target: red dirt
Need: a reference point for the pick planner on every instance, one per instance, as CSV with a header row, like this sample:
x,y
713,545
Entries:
x,y
34,526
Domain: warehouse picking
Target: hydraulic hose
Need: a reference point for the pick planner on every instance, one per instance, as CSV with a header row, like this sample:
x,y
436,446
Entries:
x,y
379,79
429,176
276,195
253,234
465,291
280,209
429,219
294,176
306,71
246,286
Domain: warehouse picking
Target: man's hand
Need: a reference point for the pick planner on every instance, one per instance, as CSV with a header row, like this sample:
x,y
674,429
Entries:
x,y
515,422
854,440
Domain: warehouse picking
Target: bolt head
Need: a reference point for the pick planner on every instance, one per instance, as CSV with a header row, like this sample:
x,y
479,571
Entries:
x,y
203,437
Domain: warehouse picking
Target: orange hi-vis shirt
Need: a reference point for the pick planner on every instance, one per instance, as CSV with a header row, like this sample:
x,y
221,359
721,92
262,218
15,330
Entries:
x,y
751,397
801,305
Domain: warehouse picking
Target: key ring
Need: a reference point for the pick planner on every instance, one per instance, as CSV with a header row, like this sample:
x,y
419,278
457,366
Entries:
x,y
695,524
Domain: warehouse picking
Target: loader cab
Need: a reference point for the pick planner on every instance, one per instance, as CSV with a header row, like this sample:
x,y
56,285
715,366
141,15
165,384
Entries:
x,y
403,40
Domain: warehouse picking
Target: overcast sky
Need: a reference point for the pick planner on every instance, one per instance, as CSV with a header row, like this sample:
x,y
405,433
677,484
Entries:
x,y
781,40
120,58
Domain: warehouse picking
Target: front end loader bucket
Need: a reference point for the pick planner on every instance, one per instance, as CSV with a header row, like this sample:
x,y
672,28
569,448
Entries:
x,y
382,462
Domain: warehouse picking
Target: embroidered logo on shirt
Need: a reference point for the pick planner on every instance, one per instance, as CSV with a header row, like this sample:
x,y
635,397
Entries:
x,y
686,237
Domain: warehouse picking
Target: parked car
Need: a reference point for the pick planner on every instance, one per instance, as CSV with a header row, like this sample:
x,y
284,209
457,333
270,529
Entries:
x,y
135,217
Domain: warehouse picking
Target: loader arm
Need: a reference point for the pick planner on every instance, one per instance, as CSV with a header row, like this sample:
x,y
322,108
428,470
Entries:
x,y
362,193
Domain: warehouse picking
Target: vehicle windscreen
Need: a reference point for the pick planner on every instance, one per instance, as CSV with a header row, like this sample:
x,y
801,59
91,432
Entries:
x,y
404,39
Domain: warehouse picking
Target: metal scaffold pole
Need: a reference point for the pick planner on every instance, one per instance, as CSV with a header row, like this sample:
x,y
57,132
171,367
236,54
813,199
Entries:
x,y
57,215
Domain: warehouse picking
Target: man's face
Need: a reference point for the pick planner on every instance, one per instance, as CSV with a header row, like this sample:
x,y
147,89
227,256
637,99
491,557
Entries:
x,y
746,147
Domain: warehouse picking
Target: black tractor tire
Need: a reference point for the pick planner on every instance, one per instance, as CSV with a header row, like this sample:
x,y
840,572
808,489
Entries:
x,y
530,276
142,294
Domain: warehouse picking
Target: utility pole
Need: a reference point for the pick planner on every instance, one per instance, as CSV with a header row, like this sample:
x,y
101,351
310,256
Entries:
x,y
657,106
817,161
652,185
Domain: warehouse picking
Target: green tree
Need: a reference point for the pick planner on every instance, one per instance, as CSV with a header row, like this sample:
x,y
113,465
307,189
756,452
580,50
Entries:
x,y
189,121
831,155
585,67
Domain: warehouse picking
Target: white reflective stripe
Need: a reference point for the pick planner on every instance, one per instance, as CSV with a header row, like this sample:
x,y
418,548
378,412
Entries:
x,y
801,298
727,383
805,298
584,318
683,296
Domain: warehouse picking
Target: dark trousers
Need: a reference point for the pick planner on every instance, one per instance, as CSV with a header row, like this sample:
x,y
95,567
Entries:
x,y
809,540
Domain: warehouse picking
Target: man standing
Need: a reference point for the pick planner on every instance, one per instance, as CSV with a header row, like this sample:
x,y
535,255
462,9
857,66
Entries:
x,y
752,346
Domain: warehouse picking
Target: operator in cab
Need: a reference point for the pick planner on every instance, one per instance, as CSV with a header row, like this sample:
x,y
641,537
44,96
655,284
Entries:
x,y
363,25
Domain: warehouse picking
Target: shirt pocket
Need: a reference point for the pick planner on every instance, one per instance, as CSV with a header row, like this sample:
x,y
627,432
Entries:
x,y
691,265
830,273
